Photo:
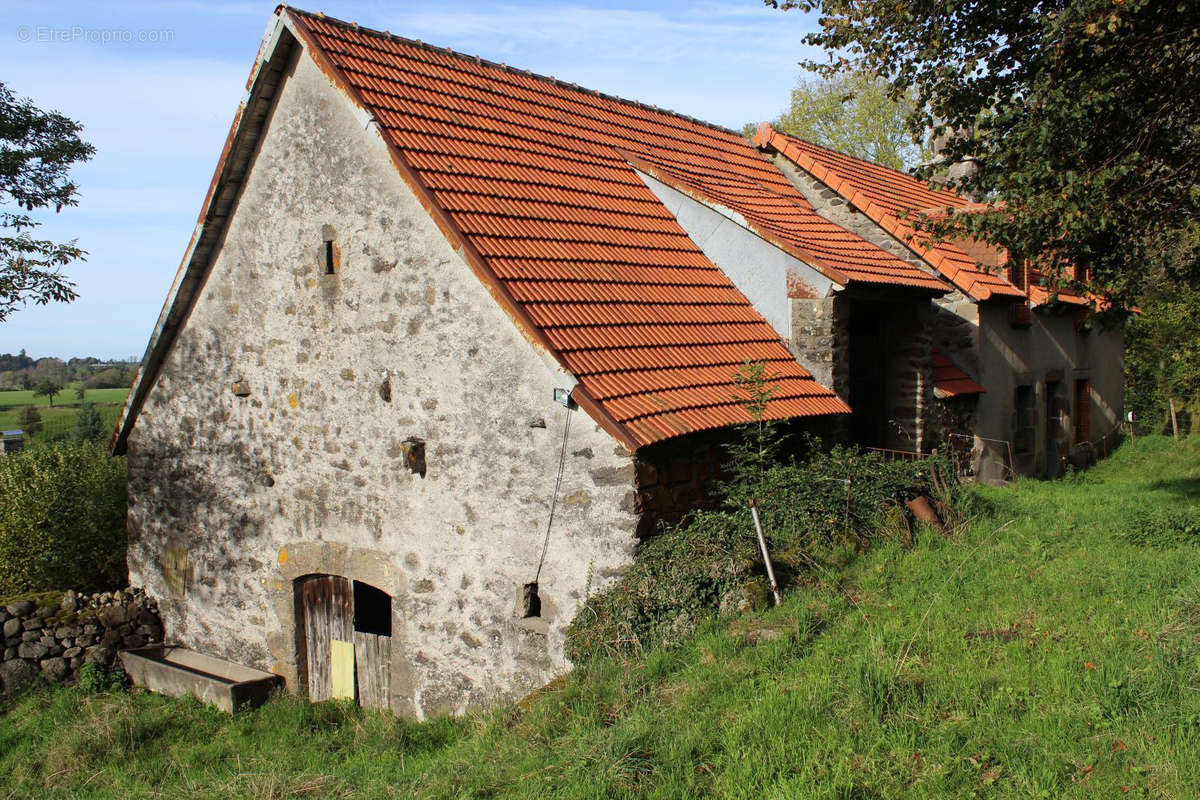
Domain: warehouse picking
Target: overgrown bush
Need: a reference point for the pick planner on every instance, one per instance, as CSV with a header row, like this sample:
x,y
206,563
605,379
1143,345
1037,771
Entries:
x,y
62,519
98,679
837,495
710,564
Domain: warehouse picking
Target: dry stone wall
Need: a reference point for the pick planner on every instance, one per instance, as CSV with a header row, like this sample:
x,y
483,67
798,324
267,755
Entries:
x,y
55,635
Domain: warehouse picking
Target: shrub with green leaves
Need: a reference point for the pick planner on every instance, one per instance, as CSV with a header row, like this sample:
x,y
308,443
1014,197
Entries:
x,y
62,519
88,425
709,564
839,495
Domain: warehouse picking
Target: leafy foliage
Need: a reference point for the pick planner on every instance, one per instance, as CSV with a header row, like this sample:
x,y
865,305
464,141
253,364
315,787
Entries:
x,y
97,679
47,389
30,420
88,425
853,112
37,151
62,519
758,448
709,563
1074,112
1162,349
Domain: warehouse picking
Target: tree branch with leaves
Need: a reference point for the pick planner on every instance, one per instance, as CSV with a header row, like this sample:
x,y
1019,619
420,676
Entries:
x,y
853,113
1080,116
37,151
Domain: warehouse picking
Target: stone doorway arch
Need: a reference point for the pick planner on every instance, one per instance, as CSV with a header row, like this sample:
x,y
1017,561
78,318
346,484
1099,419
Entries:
x,y
356,597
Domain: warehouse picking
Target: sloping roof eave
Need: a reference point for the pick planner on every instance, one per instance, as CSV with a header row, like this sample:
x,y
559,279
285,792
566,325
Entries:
x,y
292,26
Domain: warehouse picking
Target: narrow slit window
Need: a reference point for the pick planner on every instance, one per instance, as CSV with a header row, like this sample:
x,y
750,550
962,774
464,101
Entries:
x,y
328,256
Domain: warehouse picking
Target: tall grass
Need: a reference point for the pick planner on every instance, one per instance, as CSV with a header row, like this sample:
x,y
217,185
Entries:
x,y
1038,652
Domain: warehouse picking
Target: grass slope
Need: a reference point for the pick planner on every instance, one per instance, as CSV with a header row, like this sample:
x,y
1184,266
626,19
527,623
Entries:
x,y
1038,653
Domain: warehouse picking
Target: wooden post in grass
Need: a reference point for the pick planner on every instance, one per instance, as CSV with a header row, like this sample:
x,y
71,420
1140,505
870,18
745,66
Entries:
x,y
1174,419
762,545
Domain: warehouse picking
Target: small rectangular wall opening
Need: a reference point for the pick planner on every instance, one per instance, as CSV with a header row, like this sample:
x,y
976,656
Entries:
x,y
329,257
529,604
372,610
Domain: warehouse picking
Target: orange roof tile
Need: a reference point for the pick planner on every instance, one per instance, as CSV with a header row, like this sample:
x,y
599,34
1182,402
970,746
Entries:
x,y
532,179
884,194
949,380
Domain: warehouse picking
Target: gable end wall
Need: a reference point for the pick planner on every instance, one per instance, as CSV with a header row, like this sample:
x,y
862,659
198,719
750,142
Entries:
x,y
233,497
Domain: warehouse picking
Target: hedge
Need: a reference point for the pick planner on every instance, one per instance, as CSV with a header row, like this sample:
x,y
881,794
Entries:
x,y
62,519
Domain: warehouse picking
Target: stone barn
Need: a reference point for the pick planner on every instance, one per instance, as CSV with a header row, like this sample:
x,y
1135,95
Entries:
x,y
1023,373
440,349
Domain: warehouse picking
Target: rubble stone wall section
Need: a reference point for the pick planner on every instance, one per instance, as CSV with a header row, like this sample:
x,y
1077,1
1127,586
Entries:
x,y
56,637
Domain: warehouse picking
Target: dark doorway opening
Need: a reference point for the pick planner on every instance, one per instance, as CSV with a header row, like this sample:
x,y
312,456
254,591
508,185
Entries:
x,y
868,377
1054,408
372,610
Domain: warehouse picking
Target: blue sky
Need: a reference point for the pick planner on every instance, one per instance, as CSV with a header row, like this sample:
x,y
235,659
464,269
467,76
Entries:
x,y
156,85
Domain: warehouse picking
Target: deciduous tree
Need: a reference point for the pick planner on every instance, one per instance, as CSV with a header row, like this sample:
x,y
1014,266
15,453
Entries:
x,y
37,150
1081,116
47,389
854,113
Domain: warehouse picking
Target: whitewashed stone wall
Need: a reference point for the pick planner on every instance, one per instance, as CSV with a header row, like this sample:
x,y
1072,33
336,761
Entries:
x,y
232,497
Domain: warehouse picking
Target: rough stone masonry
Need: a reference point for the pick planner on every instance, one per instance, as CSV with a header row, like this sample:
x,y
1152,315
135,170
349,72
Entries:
x,y
54,635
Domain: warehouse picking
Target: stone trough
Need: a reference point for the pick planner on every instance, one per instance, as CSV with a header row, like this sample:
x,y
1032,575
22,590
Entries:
x,y
177,671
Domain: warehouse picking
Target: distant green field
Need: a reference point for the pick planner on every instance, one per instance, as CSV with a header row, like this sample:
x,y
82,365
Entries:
x,y
58,422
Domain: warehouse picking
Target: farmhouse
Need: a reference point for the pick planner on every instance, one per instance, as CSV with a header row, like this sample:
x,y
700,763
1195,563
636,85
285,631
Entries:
x,y
349,428
1048,379
449,337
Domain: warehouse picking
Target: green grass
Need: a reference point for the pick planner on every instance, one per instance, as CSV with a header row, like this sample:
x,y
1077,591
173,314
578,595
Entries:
x,y
59,421
1038,652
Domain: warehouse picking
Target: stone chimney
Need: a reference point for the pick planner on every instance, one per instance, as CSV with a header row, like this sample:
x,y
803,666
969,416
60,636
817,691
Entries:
x,y
960,169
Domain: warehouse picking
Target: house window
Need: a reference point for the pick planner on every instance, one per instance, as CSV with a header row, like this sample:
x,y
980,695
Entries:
x,y
1083,410
1026,419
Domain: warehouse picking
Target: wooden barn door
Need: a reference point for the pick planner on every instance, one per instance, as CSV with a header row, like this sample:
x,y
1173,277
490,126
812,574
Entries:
x,y
372,655
328,604
373,645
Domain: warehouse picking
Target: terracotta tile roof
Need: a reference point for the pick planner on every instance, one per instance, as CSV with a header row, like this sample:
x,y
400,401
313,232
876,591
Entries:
x,y
1041,295
773,208
527,176
949,380
883,194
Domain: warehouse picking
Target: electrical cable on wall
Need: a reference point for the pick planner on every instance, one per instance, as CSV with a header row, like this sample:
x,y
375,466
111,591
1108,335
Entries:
x,y
562,462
